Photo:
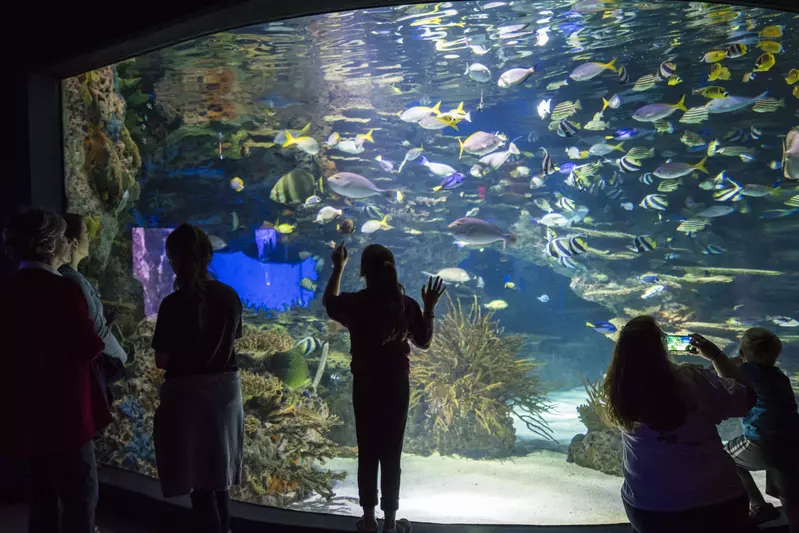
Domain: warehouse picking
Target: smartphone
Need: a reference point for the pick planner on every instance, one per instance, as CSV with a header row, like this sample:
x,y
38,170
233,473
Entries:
x,y
678,343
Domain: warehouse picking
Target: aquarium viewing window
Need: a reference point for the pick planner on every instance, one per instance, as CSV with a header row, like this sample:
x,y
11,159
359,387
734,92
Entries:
x,y
563,165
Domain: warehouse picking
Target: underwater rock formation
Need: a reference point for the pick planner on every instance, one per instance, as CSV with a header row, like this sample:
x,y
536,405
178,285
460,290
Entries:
x,y
466,386
262,341
599,450
101,162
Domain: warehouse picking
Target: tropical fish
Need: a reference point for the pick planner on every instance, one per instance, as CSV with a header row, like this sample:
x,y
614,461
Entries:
x,y
385,164
653,112
732,103
602,327
712,92
792,77
372,226
439,169
692,225
478,72
692,139
547,166
306,144
784,321
765,62
451,275
646,179
520,172
588,71
417,113
473,231
601,149
544,298
333,139
668,185
543,108
492,161
281,137
555,85
714,56
657,202
628,164
312,201
437,123
237,184
567,128
675,80
653,291
790,155
771,32
718,72
695,115
713,249
309,345
543,204
565,110
481,143
295,187
496,305
675,169
514,76
768,105
450,182
736,50
328,213
644,83
771,47
350,185
624,76
411,155
716,211
613,103
309,285
639,152
217,243
644,243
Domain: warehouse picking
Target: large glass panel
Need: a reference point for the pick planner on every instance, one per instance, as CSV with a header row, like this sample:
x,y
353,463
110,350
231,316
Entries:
x,y
563,166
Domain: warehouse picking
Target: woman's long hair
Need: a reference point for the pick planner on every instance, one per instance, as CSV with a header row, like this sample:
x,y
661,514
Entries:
x,y
190,252
34,234
379,270
641,386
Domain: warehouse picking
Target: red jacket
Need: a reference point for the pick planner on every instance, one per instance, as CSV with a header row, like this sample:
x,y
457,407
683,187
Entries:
x,y
50,398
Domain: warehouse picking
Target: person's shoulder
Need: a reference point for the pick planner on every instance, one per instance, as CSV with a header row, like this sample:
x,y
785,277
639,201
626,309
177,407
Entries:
x,y
222,289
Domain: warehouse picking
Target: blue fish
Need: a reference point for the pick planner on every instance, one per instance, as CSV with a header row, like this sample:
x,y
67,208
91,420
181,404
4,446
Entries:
x,y
649,278
602,327
626,133
453,181
566,168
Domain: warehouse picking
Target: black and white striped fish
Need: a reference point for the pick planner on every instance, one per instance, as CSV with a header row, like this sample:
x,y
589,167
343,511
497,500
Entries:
x,y
624,76
309,345
628,164
566,128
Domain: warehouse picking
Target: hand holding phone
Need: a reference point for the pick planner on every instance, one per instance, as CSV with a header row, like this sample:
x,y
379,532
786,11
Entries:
x,y
679,343
706,348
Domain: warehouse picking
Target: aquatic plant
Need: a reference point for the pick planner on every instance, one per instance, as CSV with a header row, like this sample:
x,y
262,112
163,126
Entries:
x,y
467,386
261,341
593,414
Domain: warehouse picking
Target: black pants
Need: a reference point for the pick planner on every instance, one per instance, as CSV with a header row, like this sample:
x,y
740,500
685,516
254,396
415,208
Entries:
x,y
211,511
381,410
68,479
731,516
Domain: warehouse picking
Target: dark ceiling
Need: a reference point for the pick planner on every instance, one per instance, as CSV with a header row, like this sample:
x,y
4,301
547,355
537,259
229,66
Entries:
x,y
65,38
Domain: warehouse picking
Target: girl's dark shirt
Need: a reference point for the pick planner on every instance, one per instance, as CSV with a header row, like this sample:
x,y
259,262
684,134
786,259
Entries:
x,y
362,313
199,335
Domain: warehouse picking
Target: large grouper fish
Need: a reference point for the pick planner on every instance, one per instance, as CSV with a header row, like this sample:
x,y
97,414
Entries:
x,y
476,232
351,185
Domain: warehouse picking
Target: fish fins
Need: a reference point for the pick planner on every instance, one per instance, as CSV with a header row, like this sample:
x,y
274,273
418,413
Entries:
x,y
437,188
578,105
436,108
460,108
321,184
368,136
701,166
290,139
620,146
611,65
605,105
681,104
305,129
460,142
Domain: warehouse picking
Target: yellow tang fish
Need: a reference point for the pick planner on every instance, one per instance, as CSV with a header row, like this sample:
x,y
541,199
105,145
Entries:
x,y
771,32
771,47
765,62
792,77
714,56
718,72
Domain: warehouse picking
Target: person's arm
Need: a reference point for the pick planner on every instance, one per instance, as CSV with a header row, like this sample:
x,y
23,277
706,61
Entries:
x,y
112,347
724,366
333,287
164,331
80,337
332,299
422,329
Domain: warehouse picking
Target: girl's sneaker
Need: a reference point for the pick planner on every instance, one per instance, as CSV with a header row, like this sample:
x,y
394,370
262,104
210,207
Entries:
x,y
400,526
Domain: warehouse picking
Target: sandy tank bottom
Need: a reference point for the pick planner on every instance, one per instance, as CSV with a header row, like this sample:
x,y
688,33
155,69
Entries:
x,y
539,488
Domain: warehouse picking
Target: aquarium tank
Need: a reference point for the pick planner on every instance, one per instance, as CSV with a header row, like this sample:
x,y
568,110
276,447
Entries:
x,y
563,166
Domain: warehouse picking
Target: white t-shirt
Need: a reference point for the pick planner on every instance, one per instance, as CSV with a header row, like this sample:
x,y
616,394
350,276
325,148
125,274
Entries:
x,y
687,467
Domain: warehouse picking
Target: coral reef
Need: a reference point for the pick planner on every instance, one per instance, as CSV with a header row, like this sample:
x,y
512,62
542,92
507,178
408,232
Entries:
x,y
285,432
465,388
264,340
592,414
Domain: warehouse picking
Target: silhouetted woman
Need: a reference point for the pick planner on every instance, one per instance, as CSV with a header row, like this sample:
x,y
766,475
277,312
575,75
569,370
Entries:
x,y
110,364
677,475
51,403
199,425
381,320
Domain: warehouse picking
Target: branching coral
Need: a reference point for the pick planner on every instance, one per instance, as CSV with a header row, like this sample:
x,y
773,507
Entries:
x,y
263,341
466,387
592,414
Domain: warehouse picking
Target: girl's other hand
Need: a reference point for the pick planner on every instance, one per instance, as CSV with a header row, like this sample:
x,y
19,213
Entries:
x,y
340,256
431,294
